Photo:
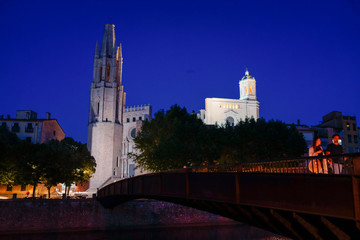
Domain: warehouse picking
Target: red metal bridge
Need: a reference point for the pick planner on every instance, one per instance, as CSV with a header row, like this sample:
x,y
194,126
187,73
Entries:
x,y
288,197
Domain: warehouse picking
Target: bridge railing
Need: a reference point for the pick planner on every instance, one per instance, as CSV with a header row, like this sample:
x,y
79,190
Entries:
x,y
334,164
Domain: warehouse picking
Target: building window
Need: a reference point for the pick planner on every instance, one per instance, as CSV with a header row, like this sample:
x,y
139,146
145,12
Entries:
x,y
3,125
23,188
15,128
100,73
117,161
108,73
357,149
251,91
28,139
133,133
354,127
356,139
54,133
9,188
29,128
134,119
98,108
351,149
245,90
348,126
128,120
230,121
349,139
140,118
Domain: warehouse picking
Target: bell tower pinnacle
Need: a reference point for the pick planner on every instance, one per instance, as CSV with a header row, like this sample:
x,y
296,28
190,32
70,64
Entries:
x,y
247,87
107,100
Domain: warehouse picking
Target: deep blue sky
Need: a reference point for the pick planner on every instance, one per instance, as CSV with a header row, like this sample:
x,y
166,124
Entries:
x,y
304,55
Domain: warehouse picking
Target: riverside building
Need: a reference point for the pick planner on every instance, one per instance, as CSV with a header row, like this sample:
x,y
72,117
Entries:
x,y
111,126
222,110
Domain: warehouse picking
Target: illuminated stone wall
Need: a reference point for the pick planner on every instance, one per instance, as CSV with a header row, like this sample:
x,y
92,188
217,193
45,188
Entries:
x,y
22,216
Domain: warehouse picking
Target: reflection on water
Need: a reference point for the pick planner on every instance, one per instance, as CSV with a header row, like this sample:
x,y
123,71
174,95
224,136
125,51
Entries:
x,y
232,232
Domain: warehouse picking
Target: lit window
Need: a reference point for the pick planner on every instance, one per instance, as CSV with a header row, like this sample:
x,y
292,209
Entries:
x,y
220,105
245,90
238,106
251,91
348,126
108,73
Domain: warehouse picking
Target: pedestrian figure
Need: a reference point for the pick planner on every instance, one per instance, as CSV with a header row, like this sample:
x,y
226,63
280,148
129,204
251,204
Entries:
x,y
335,148
317,165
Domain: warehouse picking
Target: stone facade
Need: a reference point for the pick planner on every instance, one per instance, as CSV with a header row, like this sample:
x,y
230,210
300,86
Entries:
x,y
107,100
133,118
28,127
222,110
109,139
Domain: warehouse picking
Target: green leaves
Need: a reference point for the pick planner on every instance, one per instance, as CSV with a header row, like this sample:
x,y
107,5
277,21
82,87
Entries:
x,y
176,139
54,162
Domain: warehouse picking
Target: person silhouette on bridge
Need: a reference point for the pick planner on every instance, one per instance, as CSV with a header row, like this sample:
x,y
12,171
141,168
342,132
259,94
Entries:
x,y
335,148
317,165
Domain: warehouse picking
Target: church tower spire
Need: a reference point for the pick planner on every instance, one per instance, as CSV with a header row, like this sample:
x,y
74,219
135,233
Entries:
x,y
247,86
107,101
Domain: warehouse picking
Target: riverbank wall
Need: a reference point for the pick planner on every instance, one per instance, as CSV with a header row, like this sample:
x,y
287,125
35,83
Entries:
x,y
63,215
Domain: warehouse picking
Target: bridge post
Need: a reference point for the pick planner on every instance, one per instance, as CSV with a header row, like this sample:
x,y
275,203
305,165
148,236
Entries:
x,y
187,184
160,184
237,187
356,189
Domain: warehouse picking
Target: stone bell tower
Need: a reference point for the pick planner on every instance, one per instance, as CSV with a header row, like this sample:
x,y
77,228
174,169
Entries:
x,y
107,100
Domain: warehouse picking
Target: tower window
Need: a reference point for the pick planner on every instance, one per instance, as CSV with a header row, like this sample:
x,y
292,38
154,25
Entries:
x,y
98,108
108,73
100,74
251,90
134,119
128,120
140,118
245,90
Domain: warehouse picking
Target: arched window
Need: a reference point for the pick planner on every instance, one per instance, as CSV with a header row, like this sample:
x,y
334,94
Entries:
x,y
245,90
98,108
108,73
251,91
100,74
230,120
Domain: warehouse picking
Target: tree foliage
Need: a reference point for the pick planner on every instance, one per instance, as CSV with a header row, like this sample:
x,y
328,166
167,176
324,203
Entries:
x,y
54,162
175,138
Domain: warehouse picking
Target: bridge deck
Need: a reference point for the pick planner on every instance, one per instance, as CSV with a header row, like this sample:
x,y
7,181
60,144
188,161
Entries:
x,y
299,205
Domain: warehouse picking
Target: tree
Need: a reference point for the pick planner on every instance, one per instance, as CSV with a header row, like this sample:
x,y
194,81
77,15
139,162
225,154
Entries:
x,y
28,161
171,140
258,140
7,167
68,162
176,138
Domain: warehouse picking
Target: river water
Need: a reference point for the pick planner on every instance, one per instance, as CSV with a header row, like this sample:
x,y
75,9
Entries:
x,y
227,232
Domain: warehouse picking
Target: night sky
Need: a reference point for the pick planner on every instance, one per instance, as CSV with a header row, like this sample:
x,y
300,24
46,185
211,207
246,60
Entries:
x,y
304,55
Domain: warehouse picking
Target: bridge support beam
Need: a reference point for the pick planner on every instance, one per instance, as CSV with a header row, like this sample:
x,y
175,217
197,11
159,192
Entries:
x,y
335,230
308,226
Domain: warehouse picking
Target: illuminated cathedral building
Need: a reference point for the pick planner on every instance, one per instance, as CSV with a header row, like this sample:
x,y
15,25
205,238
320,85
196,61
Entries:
x,y
223,110
111,126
